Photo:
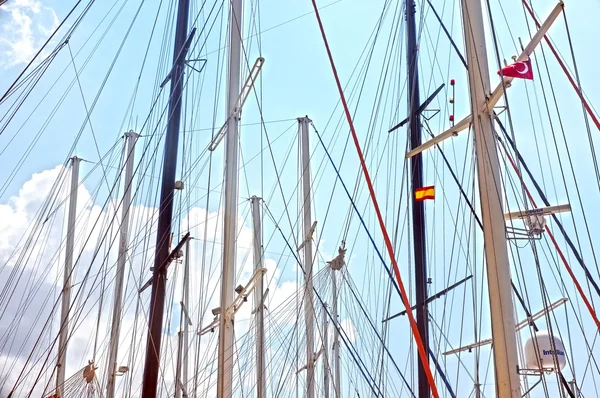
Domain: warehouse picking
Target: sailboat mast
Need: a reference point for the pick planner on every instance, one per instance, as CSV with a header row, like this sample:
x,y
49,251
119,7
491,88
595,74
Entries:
x,y
418,211
494,230
230,212
181,372
130,138
165,214
337,381
187,322
66,293
261,366
308,257
325,353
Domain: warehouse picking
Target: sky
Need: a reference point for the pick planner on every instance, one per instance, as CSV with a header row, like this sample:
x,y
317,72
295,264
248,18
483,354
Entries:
x,y
297,81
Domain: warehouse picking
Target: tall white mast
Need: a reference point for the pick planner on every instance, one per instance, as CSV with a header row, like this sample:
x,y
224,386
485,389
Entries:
x,y
186,329
130,139
492,214
308,257
225,357
336,340
261,366
325,354
181,374
66,293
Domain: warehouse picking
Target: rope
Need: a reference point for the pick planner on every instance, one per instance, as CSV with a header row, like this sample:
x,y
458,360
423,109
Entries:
x,y
351,349
560,253
388,243
564,68
364,312
554,217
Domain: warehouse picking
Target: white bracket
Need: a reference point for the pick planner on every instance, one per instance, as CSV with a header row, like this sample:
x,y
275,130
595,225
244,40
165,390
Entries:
x,y
452,132
210,328
237,109
240,299
535,223
308,236
315,357
518,327
540,211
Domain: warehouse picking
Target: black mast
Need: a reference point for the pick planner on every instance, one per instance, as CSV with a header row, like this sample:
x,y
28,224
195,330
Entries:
x,y
159,273
416,167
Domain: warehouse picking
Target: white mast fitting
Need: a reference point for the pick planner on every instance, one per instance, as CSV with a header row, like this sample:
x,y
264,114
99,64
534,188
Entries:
x,y
225,351
66,293
308,257
259,299
518,327
494,229
130,140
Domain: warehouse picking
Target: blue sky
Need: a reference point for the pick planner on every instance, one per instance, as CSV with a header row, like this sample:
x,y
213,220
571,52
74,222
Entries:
x,y
298,81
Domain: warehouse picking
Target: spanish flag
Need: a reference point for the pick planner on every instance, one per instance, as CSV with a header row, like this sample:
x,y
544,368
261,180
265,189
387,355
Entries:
x,y
425,193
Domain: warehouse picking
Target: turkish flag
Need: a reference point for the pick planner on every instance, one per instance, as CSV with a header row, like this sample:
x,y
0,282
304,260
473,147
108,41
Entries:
x,y
520,70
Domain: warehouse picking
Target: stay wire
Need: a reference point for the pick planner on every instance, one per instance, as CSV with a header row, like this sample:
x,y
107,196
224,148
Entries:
x,y
10,89
350,284
88,119
574,250
356,358
585,115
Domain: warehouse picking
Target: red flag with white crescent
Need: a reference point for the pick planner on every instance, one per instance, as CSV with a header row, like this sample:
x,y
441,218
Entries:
x,y
520,70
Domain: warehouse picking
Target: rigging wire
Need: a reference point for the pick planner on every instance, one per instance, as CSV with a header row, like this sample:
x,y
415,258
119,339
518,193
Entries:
x,y
17,82
422,353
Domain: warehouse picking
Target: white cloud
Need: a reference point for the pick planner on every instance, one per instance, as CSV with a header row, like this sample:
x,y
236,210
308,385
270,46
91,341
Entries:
x,y
27,297
40,280
25,26
349,329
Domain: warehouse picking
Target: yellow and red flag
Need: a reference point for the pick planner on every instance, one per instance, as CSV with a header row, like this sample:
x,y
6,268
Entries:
x,y
425,193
